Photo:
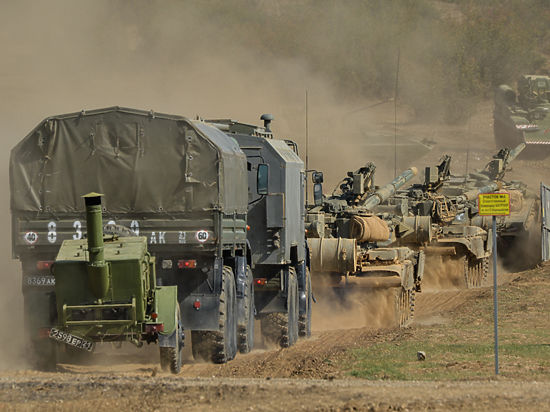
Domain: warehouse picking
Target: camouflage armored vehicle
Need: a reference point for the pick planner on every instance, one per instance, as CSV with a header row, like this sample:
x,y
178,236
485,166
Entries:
x,y
523,117
105,291
518,234
351,245
181,184
458,248
276,235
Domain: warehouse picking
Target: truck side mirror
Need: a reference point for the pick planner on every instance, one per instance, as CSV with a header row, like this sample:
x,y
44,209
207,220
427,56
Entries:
x,y
262,179
318,194
317,177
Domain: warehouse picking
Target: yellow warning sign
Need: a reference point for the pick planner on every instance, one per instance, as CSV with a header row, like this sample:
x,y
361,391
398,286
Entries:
x,y
494,204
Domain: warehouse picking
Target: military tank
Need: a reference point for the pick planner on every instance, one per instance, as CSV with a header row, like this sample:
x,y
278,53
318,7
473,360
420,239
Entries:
x,y
518,235
350,245
457,248
523,117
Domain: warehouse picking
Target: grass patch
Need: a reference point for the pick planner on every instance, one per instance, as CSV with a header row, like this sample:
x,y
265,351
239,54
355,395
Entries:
x,y
462,347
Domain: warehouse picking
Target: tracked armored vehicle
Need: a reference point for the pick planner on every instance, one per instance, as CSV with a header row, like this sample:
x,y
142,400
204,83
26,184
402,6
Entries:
x,y
457,248
524,117
350,245
518,234
106,291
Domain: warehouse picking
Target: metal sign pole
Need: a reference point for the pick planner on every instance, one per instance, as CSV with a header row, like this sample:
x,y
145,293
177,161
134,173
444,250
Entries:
x,y
495,297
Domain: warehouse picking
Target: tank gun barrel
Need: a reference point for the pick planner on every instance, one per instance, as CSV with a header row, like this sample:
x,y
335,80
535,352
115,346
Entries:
x,y
472,194
516,151
386,191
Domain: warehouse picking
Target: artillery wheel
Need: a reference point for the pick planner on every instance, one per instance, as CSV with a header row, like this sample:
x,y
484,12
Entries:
x,y
404,307
475,271
246,324
282,328
220,346
170,357
304,319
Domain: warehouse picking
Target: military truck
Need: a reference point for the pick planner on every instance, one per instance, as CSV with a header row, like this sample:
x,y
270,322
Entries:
x,y
351,246
276,235
106,291
182,184
523,117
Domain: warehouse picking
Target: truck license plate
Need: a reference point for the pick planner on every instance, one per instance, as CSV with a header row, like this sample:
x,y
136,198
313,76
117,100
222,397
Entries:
x,y
70,339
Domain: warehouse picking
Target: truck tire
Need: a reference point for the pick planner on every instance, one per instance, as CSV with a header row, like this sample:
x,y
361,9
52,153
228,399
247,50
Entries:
x,y
171,357
220,346
246,324
282,328
304,320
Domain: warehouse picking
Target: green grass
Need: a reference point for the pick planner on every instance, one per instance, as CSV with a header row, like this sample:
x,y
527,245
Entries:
x,y
462,347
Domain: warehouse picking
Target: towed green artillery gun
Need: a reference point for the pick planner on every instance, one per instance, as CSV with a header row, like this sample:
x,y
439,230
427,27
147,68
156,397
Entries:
x,y
105,291
349,244
521,228
523,117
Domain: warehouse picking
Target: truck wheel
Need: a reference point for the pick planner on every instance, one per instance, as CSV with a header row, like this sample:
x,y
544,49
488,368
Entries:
x,y
246,324
170,357
282,328
304,320
220,346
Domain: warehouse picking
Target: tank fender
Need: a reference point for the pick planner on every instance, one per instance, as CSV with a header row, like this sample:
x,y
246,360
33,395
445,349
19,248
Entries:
x,y
166,301
240,276
475,246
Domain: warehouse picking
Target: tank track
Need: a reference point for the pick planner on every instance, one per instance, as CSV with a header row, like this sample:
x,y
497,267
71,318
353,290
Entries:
x,y
405,300
475,271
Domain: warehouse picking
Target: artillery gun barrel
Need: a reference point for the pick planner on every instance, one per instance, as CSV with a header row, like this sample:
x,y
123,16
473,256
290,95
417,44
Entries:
x,y
388,190
516,151
472,194
97,267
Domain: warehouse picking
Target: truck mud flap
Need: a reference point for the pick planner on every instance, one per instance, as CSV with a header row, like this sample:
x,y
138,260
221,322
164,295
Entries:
x,y
545,209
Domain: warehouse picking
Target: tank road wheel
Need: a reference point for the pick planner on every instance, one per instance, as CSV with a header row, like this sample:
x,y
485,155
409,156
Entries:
x,y
170,357
220,346
404,307
246,324
282,328
304,320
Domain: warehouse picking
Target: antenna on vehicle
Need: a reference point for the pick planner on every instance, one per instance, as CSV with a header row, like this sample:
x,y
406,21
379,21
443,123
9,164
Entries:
x,y
307,150
395,114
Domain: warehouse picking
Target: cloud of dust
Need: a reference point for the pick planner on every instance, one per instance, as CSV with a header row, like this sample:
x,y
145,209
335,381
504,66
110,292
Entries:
x,y
214,59
443,273
354,307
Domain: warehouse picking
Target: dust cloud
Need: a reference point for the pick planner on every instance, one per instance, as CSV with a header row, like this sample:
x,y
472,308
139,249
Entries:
x,y
352,307
190,58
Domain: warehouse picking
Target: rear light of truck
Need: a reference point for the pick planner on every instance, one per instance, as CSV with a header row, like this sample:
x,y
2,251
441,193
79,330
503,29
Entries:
x,y
260,281
187,264
197,304
44,264
154,328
